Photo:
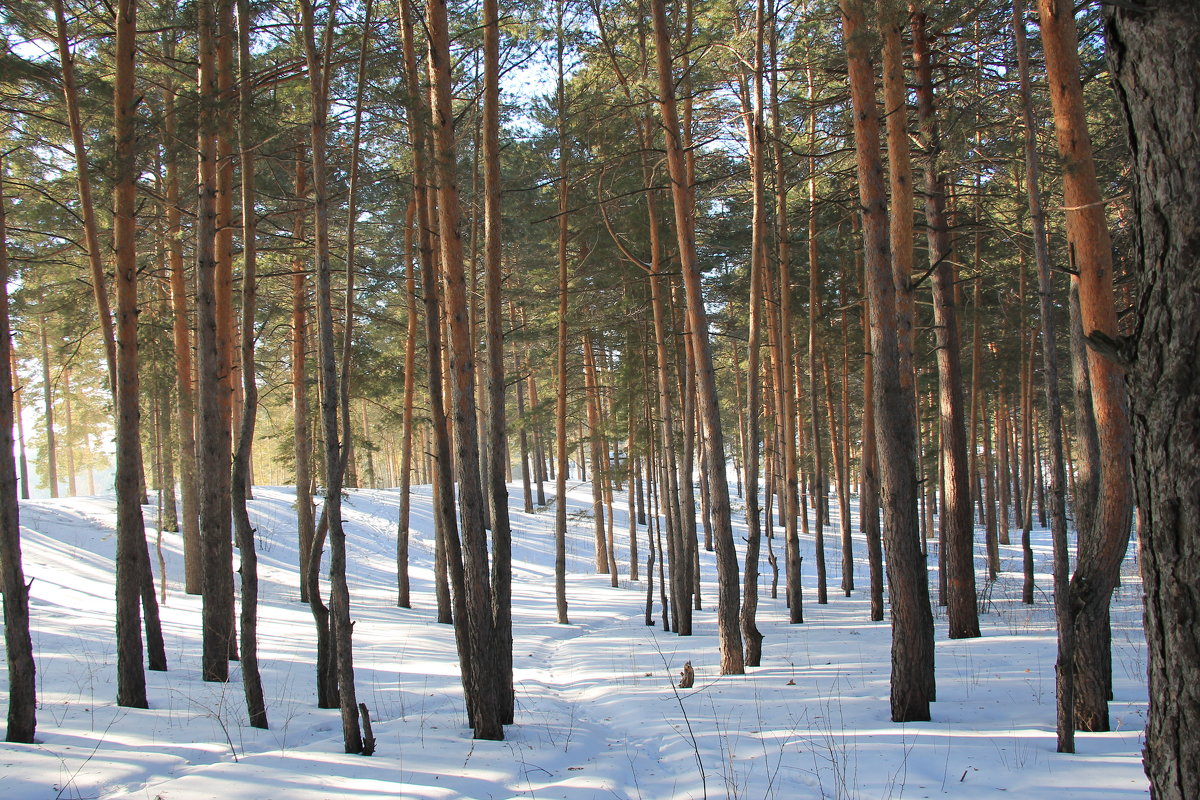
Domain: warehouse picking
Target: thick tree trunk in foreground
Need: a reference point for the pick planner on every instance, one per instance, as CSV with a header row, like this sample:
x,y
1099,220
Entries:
x,y
1153,51
213,446
728,593
912,618
131,532
1102,549
18,646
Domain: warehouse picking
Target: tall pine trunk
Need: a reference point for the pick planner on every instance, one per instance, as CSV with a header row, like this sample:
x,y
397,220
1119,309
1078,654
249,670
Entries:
x,y
956,524
131,533
728,594
912,679
1102,549
483,684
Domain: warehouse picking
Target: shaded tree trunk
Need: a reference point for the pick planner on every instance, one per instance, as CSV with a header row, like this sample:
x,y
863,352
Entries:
x,y
497,430
256,708
912,678
955,525
18,645
339,596
403,588
131,532
1153,50
214,395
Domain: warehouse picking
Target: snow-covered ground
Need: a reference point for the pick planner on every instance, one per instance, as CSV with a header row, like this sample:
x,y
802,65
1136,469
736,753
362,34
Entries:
x,y
597,712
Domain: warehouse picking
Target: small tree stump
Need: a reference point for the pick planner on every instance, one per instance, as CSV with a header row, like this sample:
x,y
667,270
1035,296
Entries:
x,y
687,677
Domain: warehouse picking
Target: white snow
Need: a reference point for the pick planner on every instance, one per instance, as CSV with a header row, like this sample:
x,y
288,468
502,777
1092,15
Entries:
x,y
597,712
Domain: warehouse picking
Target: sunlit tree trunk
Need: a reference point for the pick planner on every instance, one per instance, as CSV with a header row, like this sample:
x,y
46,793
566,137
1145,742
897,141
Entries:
x,y
1100,550
403,588
87,207
181,333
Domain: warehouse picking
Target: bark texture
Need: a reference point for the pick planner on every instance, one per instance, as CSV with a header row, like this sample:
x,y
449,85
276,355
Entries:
x,y
1153,52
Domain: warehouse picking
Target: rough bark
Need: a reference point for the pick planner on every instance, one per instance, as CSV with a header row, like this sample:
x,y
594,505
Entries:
x,y
1153,52
213,445
757,146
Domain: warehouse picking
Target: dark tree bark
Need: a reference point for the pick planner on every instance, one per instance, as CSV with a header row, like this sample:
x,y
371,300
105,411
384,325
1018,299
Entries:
x,y
214,394
912,619
256,708
728,594
339,595
955,525
131,532
1153,50
756,142
497,430
18,646
403,598
482,678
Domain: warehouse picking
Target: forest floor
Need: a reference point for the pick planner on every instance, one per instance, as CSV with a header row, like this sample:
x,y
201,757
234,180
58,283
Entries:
x,y
598,715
